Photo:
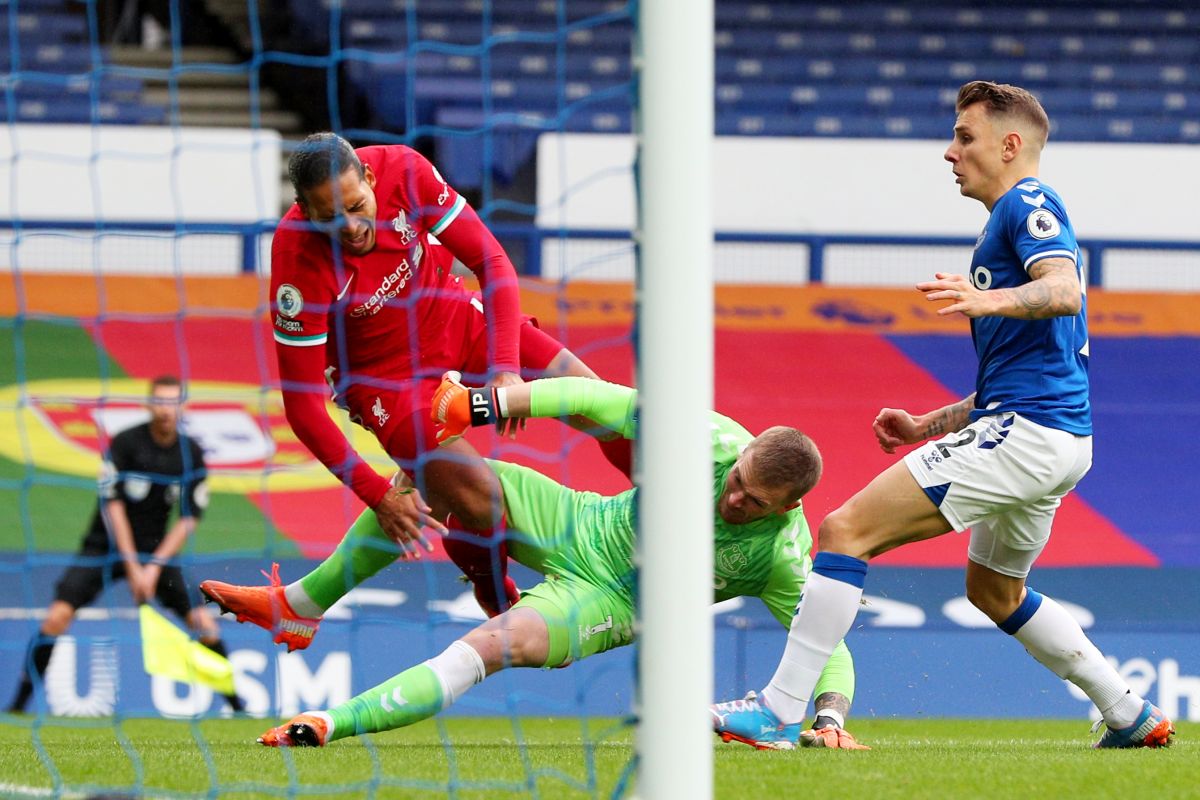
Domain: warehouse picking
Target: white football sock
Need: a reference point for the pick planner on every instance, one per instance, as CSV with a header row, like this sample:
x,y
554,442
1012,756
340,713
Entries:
x,y
328,722
1054,638
458,667
826,612
300,602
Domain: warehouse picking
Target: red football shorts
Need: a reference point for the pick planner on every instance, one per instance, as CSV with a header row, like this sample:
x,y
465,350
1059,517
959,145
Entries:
x,y
398,412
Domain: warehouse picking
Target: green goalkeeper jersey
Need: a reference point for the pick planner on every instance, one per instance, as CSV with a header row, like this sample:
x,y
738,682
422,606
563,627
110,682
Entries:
x,y
592,535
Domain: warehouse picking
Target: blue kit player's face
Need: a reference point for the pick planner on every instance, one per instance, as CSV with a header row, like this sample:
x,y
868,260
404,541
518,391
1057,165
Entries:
x,y
978,154
349,203
745,498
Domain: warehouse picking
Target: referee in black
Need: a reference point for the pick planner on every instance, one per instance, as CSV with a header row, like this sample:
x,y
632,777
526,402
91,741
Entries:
x,y
148,470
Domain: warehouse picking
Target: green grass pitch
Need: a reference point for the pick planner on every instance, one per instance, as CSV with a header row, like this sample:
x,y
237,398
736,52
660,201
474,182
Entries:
x,y
567,758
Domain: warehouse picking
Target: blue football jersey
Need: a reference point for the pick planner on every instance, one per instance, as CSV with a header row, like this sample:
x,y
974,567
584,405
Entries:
x,y
1037,368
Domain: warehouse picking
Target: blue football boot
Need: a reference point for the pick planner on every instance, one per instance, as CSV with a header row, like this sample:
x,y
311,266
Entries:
x,y
749,721
1150,729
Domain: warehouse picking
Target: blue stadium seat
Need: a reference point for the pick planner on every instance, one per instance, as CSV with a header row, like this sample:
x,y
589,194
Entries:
x,y
805,67
47,86
44,27
81,110
58,57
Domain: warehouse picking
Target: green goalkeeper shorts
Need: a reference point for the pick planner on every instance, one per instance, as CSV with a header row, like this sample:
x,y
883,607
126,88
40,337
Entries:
x,y
582,542
582,619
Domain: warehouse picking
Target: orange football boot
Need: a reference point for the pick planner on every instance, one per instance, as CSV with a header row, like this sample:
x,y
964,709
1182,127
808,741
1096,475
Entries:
x,y
304,730
266,607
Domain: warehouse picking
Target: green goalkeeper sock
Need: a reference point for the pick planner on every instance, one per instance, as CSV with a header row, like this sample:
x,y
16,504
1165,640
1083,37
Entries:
x,y
365,549
609,405
415,694
409,697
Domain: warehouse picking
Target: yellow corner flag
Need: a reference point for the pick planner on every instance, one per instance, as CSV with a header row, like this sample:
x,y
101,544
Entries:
x,y
168,651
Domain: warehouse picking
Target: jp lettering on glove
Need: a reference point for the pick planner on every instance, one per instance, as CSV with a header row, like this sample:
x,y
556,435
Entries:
x,y
457,407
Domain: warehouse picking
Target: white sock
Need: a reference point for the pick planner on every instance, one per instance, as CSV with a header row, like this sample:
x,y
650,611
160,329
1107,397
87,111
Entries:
x,y
300,602
1124,712
826,612
328,722
458,667
1054,638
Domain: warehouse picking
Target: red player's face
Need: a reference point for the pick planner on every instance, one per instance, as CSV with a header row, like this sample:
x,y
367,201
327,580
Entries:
x,y
744,498
348,204
976,154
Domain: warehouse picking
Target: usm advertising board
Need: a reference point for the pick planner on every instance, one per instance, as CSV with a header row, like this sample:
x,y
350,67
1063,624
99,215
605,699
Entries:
x,y
919,648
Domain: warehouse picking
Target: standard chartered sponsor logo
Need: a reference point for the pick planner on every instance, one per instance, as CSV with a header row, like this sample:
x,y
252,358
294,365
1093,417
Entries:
x,y
391,285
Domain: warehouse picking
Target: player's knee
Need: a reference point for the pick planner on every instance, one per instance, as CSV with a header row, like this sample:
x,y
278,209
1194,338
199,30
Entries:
x,y
996,603
58,619
521,653
473,497
839,534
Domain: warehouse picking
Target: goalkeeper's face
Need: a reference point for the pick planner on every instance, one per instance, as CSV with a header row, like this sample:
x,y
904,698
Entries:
x,y
346,208
745,498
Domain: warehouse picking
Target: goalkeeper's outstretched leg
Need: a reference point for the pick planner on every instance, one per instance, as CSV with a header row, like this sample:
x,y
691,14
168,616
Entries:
x,y
517,638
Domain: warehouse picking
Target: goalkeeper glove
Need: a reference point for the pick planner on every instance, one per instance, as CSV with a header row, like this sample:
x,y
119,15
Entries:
x,y
457,407
826,732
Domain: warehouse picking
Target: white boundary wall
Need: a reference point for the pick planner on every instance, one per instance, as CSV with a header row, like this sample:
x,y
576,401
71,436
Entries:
x,y
120,173
869,187
874,187
126,173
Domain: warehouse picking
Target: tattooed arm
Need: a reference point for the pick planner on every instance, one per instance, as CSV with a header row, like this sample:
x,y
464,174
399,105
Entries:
x,y
839,704
894,427
829,727
1054,291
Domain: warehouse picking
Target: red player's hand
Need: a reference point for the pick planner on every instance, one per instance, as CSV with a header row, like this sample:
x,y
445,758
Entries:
x,y
402,513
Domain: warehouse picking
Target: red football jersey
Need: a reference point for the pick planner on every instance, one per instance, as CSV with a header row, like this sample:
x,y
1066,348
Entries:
x,y
382,305
382,315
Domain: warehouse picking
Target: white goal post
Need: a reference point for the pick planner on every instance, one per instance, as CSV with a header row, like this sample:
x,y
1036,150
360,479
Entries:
x,y
674,60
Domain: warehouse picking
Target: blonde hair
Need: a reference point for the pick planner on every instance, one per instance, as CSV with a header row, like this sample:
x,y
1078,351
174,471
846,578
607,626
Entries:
x,y
786,457
1002,99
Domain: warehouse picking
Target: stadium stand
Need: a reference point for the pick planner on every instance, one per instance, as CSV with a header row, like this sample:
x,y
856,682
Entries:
x,y
457,70
1111,73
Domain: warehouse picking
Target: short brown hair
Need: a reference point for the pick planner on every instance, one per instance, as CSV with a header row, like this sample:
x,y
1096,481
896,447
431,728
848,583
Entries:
x,y
1003,99
165,380
786,457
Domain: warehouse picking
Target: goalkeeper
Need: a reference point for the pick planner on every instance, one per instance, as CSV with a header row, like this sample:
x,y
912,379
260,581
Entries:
x,y
583,543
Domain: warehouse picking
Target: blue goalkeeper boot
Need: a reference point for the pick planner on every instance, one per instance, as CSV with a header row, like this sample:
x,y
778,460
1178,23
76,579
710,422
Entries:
x,y
750,721
1150,729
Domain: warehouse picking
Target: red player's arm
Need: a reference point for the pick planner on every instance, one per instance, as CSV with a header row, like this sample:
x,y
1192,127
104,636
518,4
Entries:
x,y
301,371
474,245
